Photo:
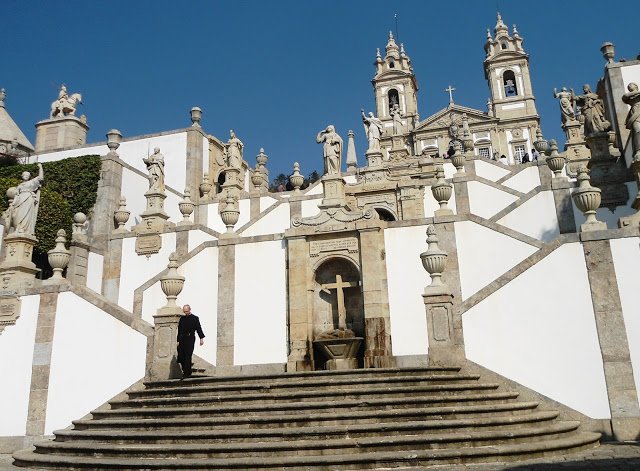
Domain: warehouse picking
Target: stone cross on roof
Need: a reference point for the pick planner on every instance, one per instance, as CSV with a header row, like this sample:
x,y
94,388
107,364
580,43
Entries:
x,y
339,286
450,90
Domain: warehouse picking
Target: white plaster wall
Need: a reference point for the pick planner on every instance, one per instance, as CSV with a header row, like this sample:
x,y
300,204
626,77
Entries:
x,y
406,280
95,264
490,172
449,169
485,201
137,269
626,260
245,214
198,237
431,205
94,357
278,220
536,217
542,338
485,254
200,291
133,188
266,202
315,189
17,354
91,149
525,180
310,208
260,325
214,221
350,179
605,215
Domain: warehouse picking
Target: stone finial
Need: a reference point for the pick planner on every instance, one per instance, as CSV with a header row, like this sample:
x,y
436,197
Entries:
x,y
540,143
378,56
467,138
458,160
434,261
587,198
3,95
515,31
489,34
205,186
608,52
441,191
121,215
555,161
172,282
230,214
262,158
352,159
59,256
296,179
79,222
114,138
196,115
186,207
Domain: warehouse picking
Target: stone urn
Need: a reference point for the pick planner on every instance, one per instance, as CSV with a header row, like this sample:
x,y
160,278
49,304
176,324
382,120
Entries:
x,y
186,207
434,259
59,256
587,198
205,186
172,282
340,347
121,215
296,179
262,158
230,214
555,162
458,160
540,143
256,178
196,115
114,138
441,190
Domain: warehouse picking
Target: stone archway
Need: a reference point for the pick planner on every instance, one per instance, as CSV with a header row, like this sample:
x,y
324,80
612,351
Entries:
x,y
338,312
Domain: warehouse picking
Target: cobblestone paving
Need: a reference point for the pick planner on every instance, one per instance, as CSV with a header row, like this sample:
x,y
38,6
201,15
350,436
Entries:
x,y
608,457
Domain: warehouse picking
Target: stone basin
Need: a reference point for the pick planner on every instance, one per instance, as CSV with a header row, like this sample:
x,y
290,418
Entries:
x,y
340,353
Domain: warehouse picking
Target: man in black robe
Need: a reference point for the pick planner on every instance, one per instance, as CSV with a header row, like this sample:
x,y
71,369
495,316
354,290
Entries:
x,y
188,325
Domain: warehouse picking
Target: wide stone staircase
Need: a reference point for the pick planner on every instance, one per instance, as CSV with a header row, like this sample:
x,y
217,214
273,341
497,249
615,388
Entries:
x,y
342,420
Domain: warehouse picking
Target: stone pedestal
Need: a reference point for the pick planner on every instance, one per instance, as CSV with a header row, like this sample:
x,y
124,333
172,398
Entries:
x,y
57,133
340,353
443,350
575,147
607,170
162,356
374,158
334,196
155,214
17,268
634,219
398,148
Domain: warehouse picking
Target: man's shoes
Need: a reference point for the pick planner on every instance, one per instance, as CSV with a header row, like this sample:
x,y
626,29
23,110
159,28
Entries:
x,y
186,376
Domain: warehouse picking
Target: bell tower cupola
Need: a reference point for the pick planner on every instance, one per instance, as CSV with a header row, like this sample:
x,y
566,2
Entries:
x,y
395,89
506,68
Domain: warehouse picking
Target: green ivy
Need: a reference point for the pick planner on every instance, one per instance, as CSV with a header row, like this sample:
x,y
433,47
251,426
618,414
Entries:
x,y
70,186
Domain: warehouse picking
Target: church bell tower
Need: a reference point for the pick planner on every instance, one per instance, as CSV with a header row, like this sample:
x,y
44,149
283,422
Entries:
x,y
395,89
506,68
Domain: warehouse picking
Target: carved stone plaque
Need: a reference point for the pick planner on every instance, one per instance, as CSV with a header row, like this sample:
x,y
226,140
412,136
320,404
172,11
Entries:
x,y
147,244
9,311
441,325
349,244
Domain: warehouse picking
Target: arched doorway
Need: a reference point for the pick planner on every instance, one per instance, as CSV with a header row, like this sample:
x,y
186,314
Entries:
x,y
338,306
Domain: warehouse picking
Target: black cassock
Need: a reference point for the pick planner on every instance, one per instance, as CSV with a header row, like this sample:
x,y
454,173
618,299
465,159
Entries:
x,y
187,327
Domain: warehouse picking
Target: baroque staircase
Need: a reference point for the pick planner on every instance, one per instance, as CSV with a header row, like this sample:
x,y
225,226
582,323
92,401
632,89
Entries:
x,y
329,420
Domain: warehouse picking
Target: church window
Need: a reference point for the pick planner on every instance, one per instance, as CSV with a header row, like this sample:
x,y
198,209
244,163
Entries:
x,y
509,81
520,151
391,65
221,180
394,98
456,144
385,215
484,152
503,45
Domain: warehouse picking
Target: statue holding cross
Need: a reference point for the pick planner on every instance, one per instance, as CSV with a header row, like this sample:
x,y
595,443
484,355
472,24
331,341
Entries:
x,y
339,286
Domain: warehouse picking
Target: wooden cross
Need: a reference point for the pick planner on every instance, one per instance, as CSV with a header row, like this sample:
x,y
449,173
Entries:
x,y
450,90
339,286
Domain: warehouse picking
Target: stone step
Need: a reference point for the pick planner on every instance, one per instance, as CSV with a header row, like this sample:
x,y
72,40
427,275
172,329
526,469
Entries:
x,y
278,432
261,420
341,461
308,447
207,386
212,408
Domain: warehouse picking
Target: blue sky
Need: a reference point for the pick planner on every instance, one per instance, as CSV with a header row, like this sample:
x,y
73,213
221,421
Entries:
x,y
277,72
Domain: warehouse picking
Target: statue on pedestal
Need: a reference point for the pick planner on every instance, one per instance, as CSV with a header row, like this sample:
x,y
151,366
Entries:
x,y
566,104
233,151
65,103
593,111
332,150
397,115
373,129
23,210
632,98
155,167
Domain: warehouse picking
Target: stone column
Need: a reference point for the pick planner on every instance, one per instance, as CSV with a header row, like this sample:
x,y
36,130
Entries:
x,y
612,334
226,302
111,269
79,246
108,197
300,350
194,165
376,299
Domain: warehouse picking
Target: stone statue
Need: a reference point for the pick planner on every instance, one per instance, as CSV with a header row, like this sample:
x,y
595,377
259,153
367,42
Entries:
x,y
489,106
632,98
592,110
233,151
397,115
373,129
332,150
65,103
23,210
566,104
155,167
